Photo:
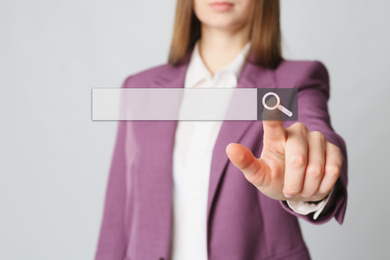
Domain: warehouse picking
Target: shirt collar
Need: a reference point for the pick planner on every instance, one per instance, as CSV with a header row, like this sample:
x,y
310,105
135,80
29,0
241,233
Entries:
x,y
197,70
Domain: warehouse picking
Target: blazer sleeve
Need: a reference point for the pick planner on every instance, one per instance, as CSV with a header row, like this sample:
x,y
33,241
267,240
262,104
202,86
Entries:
x,y
112,239
313,95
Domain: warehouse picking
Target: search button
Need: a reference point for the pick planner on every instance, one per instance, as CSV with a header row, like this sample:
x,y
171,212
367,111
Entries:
x,y
277,105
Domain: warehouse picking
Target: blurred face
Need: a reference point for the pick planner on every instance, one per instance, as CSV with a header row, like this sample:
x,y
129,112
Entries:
x,y
224,14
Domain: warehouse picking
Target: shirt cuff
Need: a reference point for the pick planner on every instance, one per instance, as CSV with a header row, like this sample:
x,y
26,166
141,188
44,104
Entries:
x,y
305,208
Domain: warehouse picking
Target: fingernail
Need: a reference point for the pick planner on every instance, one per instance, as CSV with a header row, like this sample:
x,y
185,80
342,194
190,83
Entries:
x,y
228,148
288,196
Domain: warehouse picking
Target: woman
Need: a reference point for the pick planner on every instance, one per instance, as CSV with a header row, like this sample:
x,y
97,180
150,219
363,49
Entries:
x,y
173,191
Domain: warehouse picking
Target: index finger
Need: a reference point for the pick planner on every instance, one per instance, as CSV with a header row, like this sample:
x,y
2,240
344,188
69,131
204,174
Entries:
x,y
273,125
274,131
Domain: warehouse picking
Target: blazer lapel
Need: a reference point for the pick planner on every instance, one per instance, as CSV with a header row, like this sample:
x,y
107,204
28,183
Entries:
x,y
157,176
232,131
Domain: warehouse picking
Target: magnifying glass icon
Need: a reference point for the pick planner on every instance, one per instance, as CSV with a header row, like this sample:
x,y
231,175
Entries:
x,y
277,105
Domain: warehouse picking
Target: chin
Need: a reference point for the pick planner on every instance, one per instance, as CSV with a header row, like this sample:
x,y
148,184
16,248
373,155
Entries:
x,y
226,24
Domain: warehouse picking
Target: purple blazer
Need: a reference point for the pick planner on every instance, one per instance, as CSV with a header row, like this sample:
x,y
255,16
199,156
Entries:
x,y
242,223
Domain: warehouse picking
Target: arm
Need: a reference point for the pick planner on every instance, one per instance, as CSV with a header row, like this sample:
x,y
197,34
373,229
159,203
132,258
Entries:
x,y
313,95
304,161
112,242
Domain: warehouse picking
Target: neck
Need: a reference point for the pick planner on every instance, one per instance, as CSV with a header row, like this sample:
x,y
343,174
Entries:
x,y
218,48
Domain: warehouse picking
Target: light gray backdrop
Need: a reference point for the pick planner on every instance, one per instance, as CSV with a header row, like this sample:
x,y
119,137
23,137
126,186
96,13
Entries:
x,y
54,160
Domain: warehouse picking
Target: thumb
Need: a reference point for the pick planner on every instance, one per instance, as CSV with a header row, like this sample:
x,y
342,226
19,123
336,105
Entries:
x,y
255,170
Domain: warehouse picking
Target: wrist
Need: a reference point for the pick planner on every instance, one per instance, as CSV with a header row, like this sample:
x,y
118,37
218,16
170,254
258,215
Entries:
x,y
316,201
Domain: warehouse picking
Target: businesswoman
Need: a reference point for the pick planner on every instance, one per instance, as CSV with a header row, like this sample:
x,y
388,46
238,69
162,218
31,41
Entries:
x,y
225,190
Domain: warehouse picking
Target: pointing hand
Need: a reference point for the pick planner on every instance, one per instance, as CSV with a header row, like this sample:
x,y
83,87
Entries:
x,y
295,164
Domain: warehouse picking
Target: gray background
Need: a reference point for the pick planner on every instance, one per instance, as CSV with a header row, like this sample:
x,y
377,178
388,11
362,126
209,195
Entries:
x,y
54,160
